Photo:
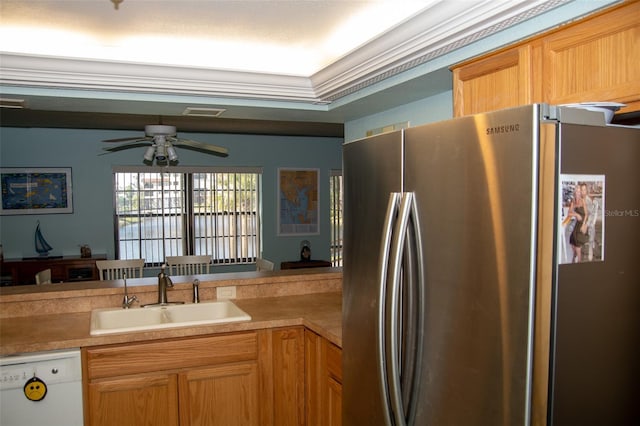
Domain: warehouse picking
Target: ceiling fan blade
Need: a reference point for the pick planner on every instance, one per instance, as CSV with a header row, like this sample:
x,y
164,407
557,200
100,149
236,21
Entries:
x,y
143,138
188,143
125,146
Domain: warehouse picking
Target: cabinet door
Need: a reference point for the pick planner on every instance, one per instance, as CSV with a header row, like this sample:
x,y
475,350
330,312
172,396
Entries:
x,y
499,81
333,402
323,381
313,378
595,60
288,376
224,395
332,392
134,401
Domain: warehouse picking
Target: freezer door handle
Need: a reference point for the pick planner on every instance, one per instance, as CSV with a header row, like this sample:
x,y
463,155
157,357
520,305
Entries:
x,y
398,389
385,252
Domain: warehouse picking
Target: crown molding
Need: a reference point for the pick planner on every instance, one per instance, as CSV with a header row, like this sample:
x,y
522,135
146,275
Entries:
x,y
433,33
73,73
438,30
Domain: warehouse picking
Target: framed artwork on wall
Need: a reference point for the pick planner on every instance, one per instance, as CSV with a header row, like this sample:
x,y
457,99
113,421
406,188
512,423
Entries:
x,y
298,201
36,191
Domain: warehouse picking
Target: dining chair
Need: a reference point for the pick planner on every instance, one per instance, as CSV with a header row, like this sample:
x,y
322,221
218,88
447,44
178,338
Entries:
x,y
189,265
43,277
114,269
264,264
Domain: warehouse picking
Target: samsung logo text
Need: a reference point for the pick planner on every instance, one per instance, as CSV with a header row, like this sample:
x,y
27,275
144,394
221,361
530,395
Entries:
x,y
508,128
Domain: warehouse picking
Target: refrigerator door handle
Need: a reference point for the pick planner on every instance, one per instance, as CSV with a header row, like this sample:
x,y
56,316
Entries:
x,y
385,251
392,310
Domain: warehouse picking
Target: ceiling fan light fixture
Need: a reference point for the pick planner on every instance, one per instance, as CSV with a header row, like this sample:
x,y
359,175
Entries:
x,y
171,152
159,130
149,153
160,142
161,153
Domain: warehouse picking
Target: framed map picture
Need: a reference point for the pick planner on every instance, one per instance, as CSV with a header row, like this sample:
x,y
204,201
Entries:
x,y
36,191
298,201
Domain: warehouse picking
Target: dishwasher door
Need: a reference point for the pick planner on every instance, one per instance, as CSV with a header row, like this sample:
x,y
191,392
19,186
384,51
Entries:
x,y
42,388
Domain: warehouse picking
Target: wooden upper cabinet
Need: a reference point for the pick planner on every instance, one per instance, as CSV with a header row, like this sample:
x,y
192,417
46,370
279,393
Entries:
x,y
597,60
592,60
500,81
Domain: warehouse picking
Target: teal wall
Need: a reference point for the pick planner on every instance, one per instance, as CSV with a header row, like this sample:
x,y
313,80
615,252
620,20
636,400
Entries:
x,y
92,219
434,108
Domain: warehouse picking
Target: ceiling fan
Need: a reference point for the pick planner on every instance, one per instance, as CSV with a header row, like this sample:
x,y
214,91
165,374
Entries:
x,y
163,139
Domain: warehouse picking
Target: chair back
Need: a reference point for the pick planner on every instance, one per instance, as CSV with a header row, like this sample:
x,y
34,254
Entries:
x,y
43,277
189,265
114,269
264,265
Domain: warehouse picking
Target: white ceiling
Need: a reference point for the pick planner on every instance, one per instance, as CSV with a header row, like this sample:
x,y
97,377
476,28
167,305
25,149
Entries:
x,y
277,60
286,37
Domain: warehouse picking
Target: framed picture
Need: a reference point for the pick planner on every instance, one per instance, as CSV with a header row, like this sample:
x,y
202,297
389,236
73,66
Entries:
x,y
298,201
36,191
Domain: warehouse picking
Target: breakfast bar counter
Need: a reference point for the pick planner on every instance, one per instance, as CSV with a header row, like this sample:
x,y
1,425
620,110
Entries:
x,y
49,322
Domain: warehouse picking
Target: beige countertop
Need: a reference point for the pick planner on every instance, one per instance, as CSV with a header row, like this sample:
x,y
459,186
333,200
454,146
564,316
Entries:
x,y
320,312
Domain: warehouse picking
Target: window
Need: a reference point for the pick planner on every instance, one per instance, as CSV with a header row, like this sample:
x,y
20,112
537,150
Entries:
x,y
184,211
335,195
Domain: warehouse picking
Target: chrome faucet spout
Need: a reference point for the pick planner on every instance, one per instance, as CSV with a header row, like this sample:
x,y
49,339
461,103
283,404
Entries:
x,y
162,286
164,282
127,301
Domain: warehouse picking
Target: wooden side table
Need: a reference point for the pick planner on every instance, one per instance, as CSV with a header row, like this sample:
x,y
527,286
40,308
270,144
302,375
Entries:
x,y
63,268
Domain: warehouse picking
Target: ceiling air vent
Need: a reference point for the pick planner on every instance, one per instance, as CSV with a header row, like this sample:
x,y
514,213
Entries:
x,y
203,112
12,103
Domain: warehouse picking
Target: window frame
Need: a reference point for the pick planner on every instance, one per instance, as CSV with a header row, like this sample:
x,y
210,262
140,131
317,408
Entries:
x,y
190,213
336,216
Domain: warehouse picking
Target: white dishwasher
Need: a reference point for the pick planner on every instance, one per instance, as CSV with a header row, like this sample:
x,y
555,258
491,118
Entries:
x,y
43,388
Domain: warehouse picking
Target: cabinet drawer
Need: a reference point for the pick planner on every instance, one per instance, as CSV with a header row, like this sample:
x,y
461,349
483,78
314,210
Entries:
x,y
120,360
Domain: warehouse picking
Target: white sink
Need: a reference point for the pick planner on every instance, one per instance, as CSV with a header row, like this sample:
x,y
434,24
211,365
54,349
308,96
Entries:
x,y
118,320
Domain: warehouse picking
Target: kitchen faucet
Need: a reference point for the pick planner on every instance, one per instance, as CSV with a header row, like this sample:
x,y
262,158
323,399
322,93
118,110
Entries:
x,y
164,282
127,301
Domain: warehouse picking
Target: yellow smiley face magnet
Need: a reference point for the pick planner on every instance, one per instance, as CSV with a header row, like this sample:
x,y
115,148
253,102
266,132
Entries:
x,y
35,389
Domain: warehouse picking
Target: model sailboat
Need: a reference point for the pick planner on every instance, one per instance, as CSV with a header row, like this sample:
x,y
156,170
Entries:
x,y
42,247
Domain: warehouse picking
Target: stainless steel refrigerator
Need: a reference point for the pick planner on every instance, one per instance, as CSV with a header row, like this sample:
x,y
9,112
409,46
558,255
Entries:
x,y
467,297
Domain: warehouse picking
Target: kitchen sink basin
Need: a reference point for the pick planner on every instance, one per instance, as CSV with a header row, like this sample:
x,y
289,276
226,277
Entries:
x,y
118,320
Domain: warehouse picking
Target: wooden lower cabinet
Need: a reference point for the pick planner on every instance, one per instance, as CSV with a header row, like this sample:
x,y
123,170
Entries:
x,y
247,378
221,395
334,402
288,376
274,377
323,381
333,394
150,399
